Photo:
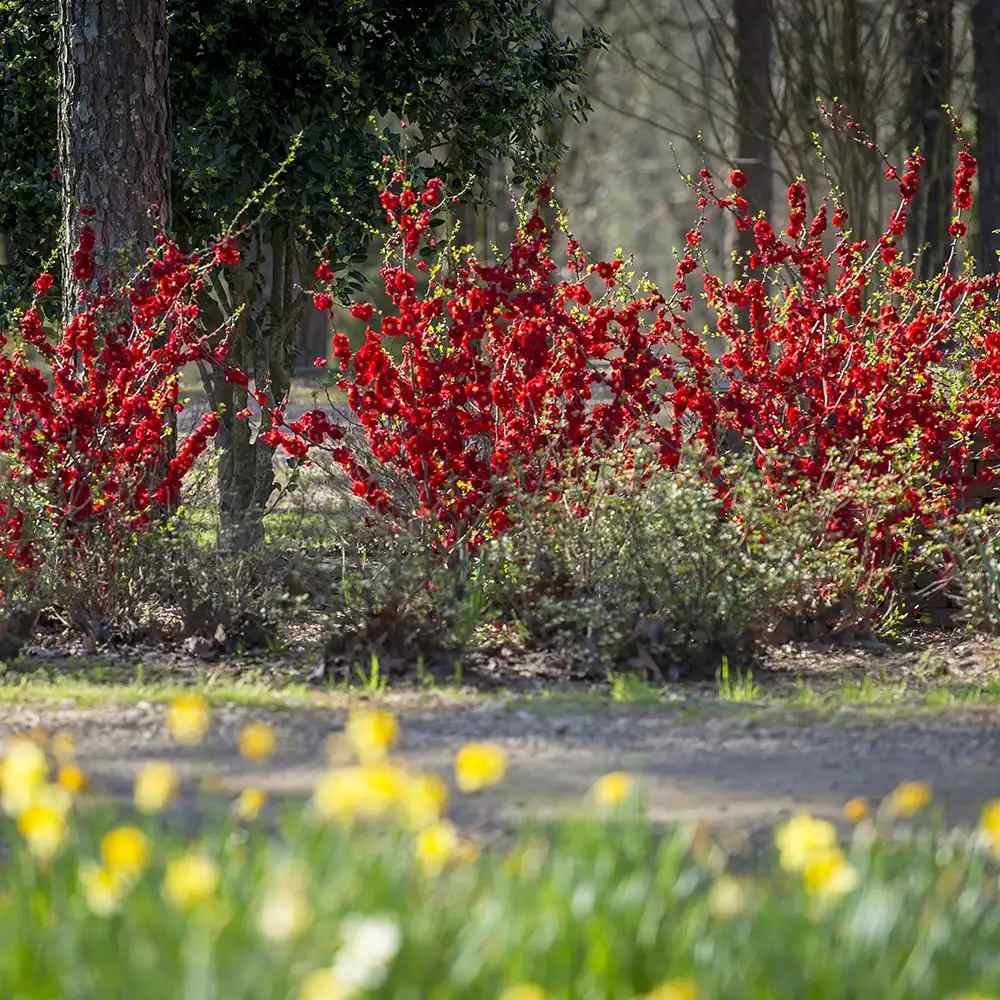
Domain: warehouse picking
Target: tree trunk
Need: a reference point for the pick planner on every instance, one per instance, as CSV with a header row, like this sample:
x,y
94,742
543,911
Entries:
x,y
986,50
754,107
262,345
114,130
928,25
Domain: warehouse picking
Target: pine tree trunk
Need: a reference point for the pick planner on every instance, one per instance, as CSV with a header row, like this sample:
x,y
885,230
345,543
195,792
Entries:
x,y
929,57
114,129
986,49
754,106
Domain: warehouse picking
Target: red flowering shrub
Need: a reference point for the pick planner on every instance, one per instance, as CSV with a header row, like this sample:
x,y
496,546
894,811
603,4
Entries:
x,y
504,372
84,420
837,363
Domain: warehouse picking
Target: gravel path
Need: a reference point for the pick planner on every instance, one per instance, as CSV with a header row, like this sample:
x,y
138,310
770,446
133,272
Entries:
x,y
736,769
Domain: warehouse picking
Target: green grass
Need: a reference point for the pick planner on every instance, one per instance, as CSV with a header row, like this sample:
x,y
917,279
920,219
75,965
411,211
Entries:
x,y
600,906
737,686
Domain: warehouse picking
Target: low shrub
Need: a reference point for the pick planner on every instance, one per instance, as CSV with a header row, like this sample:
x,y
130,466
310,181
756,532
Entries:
x,y
666,571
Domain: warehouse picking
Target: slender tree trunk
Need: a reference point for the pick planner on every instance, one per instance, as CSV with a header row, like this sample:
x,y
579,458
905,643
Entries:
x,y
754,106
114,129
262,345
928,25
986,50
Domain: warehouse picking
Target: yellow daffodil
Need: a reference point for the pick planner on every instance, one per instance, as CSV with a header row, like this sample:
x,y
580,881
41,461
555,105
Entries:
x,y
256,741
339,794
727,898
674,989
190,880
613,789
188,718
249,803
72,778
909,798
436,846
989,823
24,771
802,838
44,828
479,765
125,851
103,890
828,874
424,799
155,786
856,809
372,734
284,911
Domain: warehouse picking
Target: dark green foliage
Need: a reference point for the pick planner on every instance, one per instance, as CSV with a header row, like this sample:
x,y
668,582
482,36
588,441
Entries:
x,y
476,79
29,185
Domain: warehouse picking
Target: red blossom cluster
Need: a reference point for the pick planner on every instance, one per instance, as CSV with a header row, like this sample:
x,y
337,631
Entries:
x,y
836,360
481,380
85,418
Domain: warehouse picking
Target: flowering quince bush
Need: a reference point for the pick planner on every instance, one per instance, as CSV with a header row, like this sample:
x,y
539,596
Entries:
x,y
483,382
85,419
502,374
368,889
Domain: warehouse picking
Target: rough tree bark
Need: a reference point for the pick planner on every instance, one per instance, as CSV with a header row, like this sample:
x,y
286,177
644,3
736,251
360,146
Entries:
x,y
754,106
986,52
114,128
928,26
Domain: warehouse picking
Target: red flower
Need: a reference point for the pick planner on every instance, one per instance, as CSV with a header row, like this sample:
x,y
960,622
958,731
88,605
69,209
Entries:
x,y
322,301
737,178
225,251
43,283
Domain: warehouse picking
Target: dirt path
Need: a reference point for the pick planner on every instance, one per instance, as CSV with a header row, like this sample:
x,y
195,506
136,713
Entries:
x,y
735,768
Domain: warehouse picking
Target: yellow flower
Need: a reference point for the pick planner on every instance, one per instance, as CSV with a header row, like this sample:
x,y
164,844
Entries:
x,y
855,810
284,908
190,880
72,778
24,771
613,789
909,798
103,890
424,799
43,826
727,898
338,794
64,747
479,765
990,824
802,838
436,846
324,985
249,804
188,718
155,786
125,851
256,741
371,734
524,991
675,989
828,874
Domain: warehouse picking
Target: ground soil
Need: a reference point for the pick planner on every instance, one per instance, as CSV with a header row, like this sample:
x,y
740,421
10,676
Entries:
x,y
813,735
